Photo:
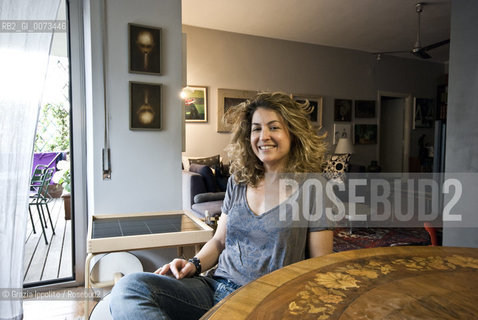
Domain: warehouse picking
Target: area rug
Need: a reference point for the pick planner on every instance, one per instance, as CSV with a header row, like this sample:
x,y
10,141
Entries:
x,y
360,238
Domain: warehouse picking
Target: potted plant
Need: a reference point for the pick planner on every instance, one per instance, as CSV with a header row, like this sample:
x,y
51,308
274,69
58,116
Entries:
x,y
53,134
62,176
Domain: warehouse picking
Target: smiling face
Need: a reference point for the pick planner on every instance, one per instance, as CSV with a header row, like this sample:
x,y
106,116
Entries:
x,y
270,139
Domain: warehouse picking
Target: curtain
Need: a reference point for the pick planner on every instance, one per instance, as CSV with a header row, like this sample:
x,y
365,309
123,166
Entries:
x,y
23,65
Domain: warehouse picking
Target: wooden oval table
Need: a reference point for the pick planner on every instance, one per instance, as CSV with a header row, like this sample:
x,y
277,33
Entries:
x,y
379,283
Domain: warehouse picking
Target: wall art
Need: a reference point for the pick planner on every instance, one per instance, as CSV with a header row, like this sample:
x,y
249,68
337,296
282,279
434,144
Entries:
x,y
423,113
317,103
144,49
364,109
342,110
365,133
145,106
195,104
229,98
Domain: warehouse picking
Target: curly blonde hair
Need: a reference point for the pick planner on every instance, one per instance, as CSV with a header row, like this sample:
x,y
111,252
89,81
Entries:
x,y
307,148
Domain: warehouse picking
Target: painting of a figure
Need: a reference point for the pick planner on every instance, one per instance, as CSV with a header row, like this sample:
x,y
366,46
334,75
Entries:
x,y
195,104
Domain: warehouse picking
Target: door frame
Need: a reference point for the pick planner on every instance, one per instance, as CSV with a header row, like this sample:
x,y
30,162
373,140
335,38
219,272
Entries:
x,y
407,123
78,136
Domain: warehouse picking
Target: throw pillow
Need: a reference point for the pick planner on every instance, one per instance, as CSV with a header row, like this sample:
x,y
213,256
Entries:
x,y
209,161
209,196
221,173
207,174
336,166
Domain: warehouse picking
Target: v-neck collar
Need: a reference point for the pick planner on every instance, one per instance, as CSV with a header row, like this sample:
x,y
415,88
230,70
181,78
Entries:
x,y
259,216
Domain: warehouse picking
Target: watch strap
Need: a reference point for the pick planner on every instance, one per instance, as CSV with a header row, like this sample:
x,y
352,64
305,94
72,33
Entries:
x,y
197,264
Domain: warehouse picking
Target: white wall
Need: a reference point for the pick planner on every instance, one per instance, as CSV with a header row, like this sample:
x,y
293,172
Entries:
x,y
146,165
146,171
462,131
219,59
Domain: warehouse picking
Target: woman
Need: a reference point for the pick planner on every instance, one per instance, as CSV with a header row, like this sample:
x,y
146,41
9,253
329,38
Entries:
x,y
257,232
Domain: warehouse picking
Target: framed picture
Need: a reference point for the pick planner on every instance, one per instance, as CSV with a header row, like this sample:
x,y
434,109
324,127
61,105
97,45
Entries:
x,y
316,102
342,110
341,131
365,133
364,109
144,49
229,98
145,106
195,103
423,113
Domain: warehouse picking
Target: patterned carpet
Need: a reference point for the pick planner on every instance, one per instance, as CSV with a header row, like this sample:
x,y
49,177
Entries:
x,y
361,238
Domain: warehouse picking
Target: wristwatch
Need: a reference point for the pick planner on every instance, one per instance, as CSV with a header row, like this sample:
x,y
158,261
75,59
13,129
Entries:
x,y
197,264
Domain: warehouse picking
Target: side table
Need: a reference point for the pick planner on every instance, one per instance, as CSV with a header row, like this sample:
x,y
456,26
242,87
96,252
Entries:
x,y
139,231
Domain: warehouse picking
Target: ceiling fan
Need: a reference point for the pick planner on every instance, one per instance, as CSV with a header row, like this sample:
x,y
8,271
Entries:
x,y
418,50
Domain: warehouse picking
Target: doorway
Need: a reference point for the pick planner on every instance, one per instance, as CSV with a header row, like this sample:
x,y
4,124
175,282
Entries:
x,y
394,133
49,248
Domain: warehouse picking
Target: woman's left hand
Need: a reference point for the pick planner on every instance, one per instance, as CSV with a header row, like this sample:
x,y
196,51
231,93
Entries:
x,y
179,268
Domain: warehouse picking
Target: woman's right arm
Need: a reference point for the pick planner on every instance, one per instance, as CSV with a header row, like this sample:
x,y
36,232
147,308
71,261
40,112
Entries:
x,y
208,255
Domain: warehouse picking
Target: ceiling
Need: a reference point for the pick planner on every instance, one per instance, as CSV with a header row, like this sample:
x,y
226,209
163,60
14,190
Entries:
x,y
364,25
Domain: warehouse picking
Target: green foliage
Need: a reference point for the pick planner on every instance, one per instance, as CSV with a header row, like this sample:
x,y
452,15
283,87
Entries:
x,y
53,132
65,180
62,175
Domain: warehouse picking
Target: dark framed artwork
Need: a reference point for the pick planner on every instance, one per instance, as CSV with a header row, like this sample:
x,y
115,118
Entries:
x,y
195,104
341,131
364,109
145,106
229,98
423,113
317,103
365,133
342,110
144,49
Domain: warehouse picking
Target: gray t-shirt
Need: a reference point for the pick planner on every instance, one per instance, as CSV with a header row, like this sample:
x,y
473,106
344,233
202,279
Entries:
x,y
259,244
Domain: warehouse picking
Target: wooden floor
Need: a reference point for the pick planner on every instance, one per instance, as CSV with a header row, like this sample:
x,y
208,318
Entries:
x,y
55,310
50,261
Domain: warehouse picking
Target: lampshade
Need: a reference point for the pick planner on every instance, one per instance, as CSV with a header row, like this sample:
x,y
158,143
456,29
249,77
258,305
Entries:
x,y
344,146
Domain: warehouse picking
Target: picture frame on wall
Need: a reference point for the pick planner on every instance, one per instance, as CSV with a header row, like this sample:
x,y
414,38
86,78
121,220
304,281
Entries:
x,y
144,49
364,108
195,104
365,134
145,106
341,131
423,113
343,110
229,98
317,103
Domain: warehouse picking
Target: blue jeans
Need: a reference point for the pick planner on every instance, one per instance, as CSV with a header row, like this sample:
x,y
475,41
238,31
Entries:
x,y
151,296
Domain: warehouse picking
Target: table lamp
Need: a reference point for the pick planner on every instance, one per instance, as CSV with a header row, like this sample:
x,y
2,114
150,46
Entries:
x,y
344,146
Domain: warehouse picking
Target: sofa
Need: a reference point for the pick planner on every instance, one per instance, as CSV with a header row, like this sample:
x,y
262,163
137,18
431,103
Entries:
x,y
204,187
205,179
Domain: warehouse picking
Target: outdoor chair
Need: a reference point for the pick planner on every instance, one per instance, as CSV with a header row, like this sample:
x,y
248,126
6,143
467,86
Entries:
x,y
35,184
40,197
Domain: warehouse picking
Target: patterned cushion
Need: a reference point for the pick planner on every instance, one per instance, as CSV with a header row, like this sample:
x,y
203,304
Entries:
x,y
209,161
336,166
